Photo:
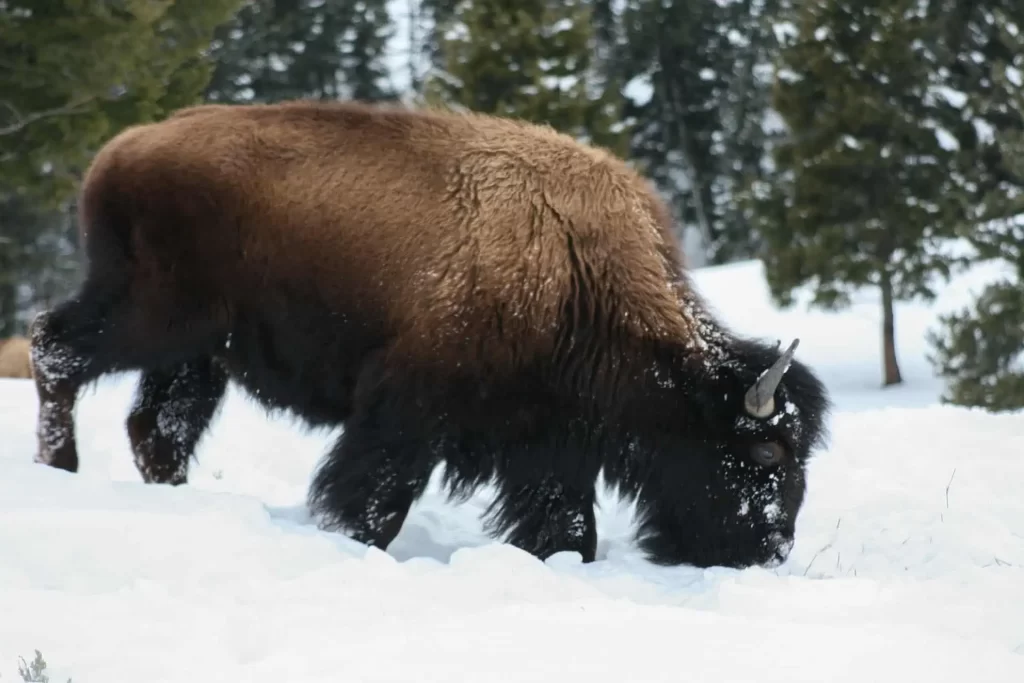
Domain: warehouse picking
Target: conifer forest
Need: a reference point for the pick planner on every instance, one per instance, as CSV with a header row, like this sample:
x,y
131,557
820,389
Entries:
x,y
843,143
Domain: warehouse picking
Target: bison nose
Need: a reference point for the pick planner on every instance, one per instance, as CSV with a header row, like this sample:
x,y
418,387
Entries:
x,y
779,548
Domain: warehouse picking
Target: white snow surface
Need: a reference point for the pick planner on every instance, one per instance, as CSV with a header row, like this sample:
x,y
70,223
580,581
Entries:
x,y
907,564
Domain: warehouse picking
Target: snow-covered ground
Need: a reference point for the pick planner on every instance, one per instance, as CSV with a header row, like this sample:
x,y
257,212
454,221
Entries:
x,y
908,565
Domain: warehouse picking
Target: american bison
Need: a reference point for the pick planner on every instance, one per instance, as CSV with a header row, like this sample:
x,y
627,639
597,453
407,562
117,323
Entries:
x,y
15,358
453,289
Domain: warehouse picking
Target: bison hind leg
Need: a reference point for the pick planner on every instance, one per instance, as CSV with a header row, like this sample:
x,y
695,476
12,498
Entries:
x,y
109,326
66,354
171,412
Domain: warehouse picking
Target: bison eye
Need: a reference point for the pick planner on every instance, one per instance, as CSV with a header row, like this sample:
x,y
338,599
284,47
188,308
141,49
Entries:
x,y
767,454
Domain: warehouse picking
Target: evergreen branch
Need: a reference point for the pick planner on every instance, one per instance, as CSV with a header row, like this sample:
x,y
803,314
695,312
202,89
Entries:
x,y
23,121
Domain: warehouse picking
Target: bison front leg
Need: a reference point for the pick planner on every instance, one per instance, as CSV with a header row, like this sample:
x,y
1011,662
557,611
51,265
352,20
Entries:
x,y
172,410
368,481
544,517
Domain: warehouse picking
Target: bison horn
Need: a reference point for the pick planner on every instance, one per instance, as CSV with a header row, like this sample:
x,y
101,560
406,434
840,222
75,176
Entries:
x,y
760,398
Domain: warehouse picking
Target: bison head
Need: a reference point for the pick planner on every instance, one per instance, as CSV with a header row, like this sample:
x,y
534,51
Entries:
x,y
728,479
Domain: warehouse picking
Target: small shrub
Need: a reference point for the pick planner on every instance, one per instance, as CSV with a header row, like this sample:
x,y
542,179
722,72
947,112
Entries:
x,y
980,350
34,672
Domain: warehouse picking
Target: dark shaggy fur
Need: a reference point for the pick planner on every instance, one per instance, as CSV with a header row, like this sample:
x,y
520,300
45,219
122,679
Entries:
x,y
453,289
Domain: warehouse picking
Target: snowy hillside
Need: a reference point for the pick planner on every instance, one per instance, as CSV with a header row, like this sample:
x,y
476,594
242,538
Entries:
x,y
908,565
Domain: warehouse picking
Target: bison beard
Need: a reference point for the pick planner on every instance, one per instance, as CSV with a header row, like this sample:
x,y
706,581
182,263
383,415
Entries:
x,y
455,290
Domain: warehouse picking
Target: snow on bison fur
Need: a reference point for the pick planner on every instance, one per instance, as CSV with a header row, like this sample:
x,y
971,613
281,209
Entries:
x,y
451,288
14,358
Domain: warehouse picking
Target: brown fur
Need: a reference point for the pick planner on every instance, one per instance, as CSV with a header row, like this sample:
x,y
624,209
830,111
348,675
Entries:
x,y
14,358
422,235
452,288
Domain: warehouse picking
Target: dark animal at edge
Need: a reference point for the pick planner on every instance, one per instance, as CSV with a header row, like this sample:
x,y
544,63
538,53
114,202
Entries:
x,y
453,289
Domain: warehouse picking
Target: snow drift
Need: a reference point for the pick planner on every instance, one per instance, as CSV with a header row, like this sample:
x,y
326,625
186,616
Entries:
x,y
908,565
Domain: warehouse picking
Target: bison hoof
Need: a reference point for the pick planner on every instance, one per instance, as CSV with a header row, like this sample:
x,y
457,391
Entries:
x,y
60,458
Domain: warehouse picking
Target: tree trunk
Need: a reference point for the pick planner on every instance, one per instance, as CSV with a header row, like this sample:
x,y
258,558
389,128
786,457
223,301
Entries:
x,y
892,367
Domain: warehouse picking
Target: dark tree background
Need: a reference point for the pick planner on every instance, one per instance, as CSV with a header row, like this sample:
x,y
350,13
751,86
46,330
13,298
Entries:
x,y
847,145
860,197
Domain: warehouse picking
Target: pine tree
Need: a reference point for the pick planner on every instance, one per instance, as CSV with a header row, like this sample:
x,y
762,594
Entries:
x,y
677,49
747,134
975,94
861,193
75,73
38,260
978,349
529,59
428,20
979,82
699,120
288,49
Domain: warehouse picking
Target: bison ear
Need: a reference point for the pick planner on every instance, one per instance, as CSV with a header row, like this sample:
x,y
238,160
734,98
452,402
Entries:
x,y
759,401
